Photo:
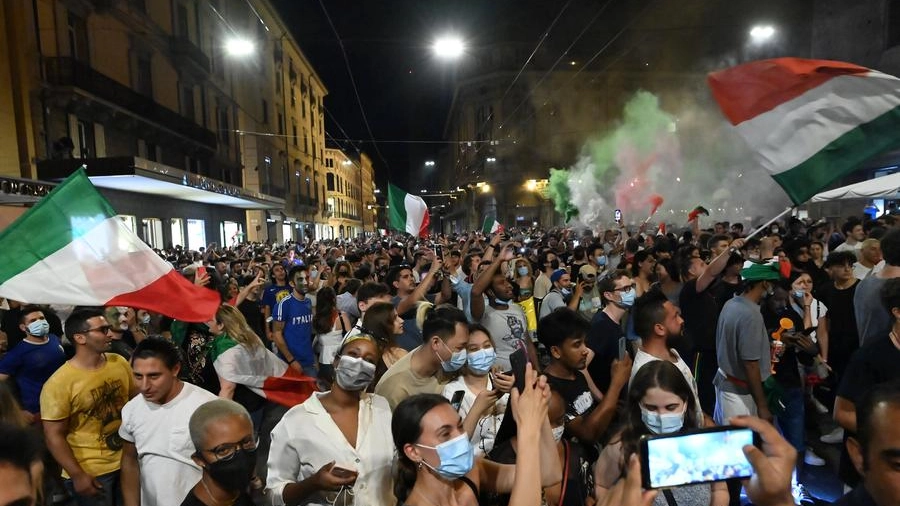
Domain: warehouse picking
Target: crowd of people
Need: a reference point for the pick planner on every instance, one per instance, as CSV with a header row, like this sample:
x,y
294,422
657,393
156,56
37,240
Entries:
x,y
414,345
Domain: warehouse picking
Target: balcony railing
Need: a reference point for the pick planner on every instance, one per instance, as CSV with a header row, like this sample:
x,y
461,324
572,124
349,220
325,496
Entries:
x,y
66,71
186,51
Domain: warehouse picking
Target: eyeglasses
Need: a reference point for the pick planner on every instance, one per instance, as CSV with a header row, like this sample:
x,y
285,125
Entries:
x,y
626,288
102,328
226,451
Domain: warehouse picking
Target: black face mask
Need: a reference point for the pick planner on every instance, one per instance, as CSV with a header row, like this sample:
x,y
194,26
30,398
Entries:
x,y
234,473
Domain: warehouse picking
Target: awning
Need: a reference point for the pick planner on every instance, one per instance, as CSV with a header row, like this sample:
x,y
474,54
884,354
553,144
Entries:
x,y
886,187
275,215
134,174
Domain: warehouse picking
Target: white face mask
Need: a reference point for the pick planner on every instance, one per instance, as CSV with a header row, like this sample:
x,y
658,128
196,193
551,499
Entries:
x,y
353,374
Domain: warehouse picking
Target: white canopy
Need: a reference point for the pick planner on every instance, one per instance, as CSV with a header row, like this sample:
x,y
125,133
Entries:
x,y
886,187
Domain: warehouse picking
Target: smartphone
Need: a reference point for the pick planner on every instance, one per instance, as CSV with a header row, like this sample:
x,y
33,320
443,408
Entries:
x,y
518,359
618,216
342,472
201,271
698,456
439,251
623,347
456,400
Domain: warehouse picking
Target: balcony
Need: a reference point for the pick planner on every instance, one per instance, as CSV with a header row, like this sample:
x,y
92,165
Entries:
x,y
187,55
66,71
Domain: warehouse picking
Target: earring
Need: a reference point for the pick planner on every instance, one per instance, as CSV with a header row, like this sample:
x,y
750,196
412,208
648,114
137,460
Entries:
x,y
420,464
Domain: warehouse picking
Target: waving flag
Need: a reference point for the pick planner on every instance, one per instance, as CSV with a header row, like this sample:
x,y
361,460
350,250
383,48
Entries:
x,y
491,225
261,371
810,122
72,249
407,212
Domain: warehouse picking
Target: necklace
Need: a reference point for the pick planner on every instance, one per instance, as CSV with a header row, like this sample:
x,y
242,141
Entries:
x,y
229,501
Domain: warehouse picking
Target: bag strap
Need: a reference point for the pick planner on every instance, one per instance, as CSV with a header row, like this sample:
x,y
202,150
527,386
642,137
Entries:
x,y
670,497
565,477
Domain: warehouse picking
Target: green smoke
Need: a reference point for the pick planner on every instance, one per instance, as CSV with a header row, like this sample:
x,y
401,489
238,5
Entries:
x,y
558,190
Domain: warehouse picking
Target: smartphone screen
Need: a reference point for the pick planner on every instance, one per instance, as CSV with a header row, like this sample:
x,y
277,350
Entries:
x,y
439,251
201,271
456,400
700,456
618,216
623,347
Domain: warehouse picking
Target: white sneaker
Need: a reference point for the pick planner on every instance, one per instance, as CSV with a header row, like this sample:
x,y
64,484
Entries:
x,y
812,459
834,437
802,496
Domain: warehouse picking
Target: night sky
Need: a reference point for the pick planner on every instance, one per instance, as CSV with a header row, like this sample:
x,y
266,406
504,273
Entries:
x,y
406,92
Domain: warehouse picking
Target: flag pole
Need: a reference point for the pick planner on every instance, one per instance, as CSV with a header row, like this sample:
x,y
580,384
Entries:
x,y
766,224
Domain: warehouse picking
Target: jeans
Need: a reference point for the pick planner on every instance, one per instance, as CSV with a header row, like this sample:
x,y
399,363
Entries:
x,y
110,495
791,421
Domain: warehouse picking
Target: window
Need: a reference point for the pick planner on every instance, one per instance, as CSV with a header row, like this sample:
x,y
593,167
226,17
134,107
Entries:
x,y
265,112
153,232
278,78
196,234
78,38
293,96
129,221
177,232
329,180
280,124
222,126
231,232
294,132
305,141
143,76
86,138
181,24
303,109
187,102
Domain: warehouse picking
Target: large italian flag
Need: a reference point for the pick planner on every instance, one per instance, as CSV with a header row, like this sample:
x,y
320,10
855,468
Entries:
x,y
809,122
71,249
407,212
261,371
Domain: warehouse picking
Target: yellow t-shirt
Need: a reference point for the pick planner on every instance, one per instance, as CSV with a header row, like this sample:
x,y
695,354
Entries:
x,y
92,401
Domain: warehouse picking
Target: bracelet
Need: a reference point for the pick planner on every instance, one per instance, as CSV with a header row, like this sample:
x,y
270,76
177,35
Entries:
x,y
292,361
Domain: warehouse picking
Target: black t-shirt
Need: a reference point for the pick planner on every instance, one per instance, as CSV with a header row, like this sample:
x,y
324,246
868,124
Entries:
x,y
603,340
843,336
575,393
723,292
873,364
255,318
700,312
787,371
191,500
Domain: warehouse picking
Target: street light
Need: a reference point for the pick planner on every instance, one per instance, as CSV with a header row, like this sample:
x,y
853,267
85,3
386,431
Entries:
x,y
491,159
448,47
429,163
762,33
239,46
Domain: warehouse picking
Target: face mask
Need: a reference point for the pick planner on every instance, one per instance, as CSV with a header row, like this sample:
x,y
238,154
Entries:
x,y
565,292
522,271
558,432
525,292
353,373
234,473
662,423
628,298
313,274
457,359
457,457
39,328
146,319
480,362
601,260
799,294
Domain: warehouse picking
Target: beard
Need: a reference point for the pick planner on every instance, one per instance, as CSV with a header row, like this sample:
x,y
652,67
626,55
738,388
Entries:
x,y
673,340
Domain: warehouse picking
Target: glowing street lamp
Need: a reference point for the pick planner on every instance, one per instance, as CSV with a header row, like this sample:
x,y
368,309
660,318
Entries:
x,y
762,33
239,46
448,47
429,163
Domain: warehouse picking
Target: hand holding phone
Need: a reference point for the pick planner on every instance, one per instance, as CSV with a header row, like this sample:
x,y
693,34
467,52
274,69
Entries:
x,y
518,359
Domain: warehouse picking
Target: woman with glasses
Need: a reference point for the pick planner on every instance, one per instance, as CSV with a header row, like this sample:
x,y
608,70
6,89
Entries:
x,y
335,448
225,446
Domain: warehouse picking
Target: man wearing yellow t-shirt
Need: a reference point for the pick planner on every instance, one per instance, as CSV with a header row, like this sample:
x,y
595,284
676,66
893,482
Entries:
x,y
81,409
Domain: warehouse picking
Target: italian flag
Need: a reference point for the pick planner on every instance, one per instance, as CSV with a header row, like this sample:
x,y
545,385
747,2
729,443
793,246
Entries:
x,y
491,225
261,371
71,249
809,122
407,212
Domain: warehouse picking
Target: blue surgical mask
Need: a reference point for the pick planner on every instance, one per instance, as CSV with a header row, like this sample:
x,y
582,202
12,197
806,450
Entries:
x,y
799,294
522,271
565,291
39,328
480,362
457,456
662,423
457,359
601,260
502,302
628,298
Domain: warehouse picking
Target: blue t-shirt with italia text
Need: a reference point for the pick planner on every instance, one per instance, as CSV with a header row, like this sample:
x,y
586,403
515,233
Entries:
x,y
30,365
297,316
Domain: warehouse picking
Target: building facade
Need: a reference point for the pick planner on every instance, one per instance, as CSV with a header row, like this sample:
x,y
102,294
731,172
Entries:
x,y
190,143
344,183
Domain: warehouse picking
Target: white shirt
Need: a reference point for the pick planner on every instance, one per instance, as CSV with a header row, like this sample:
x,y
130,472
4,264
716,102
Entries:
x,y
163,443
642,358
307,438
486,429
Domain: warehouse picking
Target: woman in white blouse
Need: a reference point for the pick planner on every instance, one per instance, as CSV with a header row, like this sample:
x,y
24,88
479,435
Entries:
x,y
335,448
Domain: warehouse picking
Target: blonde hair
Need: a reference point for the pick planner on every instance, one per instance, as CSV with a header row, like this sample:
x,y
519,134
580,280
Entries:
x,y
236,326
